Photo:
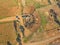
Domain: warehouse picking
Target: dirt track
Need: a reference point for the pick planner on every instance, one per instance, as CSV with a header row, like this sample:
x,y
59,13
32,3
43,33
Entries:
x,y
44,42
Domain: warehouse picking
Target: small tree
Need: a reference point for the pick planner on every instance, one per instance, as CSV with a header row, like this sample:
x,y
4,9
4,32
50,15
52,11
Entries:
x,y
49,1
18,39
8,43
15,25
22,29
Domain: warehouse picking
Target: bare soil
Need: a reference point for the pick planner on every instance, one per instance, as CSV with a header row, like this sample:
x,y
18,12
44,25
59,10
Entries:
x,y
7,33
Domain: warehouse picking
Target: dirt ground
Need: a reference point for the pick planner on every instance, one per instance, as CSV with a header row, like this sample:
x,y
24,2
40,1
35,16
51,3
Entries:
x,y
56,41
5,27
51,24
9,8
7,33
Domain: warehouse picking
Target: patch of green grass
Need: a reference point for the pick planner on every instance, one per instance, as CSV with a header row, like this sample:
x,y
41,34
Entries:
x,y
28,2
40,29
6,22
25,39
1,17
50,44
43,19
58,18
36,4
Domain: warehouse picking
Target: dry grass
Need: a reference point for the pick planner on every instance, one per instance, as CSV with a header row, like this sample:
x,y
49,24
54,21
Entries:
x,y
7,33
8,8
